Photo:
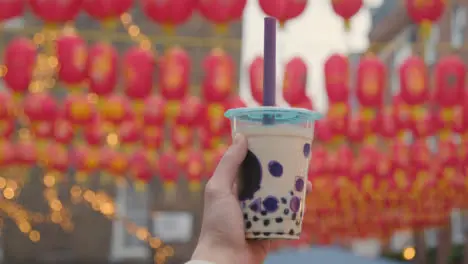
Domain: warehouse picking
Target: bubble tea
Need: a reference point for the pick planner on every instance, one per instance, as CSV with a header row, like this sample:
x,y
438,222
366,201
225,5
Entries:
x,y
273,176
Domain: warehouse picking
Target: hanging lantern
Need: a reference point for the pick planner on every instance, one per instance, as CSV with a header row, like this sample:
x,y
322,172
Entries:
x,y
283,10
387,123
356,131
295,81
94,133
40,107
420,158
107,12
11,9
26,157
140,169
153,113
338,122
152,137
19,60
7,106
7,157
102,69
7,128
63,132
402,113
256,79
169,171
194,168
174,75
346,9
56,11
56,161
191,114
424,125
371,78
414,81
78,110
115,109
85,160
72,54
219,76
425,13
129,134
181,138
449,88
215,122
337,79
169,13
221,12
323,132
139,65
115,165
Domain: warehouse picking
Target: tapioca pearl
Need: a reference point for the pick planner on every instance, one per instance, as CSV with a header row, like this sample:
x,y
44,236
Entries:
x,y
275,168
298,223
291,193
295,204
266,233
255,218
299,184
248,225
271,204
291,232
256,205
246,216
266,222
284,200
256,233
278,220
301,214
286,211
306,150
294,216
243,205
264,213
280,233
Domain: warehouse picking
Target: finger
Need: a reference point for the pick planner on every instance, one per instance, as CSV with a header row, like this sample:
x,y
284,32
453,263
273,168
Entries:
x,y
225,174
309,187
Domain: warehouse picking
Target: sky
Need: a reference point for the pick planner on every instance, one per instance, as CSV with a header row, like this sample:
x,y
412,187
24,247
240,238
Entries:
x,y
313,36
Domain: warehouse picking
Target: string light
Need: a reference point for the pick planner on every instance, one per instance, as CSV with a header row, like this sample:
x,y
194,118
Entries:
x,y
409,253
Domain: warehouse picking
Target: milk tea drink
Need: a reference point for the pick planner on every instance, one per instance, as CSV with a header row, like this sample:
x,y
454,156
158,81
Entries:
x,y
273,176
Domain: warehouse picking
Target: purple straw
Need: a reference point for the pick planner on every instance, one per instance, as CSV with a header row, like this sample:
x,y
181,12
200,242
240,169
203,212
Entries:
x,y
269,62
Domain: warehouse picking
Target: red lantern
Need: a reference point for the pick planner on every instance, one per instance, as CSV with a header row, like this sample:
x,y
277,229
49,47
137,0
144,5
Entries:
x,y
7,107
40,107
323,131
114,162
105,10
219,76
56,11
337,78
449,81
169,13
425,12
79,110
7,154
346,9
19,59
169,170
129,132
152,137
94,133
402,114
72,55
295,81
283,10
356,131
174,74
338,120
57,158
26,154
194,169
140,168
236,102
7,128
414,81
153,113
424,125
190,114
63,132
11,9
115,109
181,137
221,12
215,122
256,79
86,160
102,69
371,78
387,123
139,65
420,155
305,103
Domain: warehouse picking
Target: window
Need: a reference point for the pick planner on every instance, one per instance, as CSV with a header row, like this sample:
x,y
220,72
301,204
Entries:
x,y
133,206
458,25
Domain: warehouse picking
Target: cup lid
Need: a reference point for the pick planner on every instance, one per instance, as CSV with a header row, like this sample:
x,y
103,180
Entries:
x,y
280,114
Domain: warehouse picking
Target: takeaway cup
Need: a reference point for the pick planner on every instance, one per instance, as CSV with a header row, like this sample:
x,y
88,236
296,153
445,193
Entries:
x,y
273,176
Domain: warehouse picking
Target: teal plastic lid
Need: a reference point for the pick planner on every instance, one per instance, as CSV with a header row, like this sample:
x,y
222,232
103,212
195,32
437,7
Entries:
x,y
280,115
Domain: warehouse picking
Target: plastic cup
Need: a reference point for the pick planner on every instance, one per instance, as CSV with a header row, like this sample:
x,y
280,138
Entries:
x,y
273,176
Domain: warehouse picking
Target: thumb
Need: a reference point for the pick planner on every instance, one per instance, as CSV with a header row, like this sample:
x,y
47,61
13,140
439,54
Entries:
x,y
225,174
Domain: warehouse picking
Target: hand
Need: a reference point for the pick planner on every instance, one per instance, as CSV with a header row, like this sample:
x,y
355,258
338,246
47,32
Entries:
x,y
222,239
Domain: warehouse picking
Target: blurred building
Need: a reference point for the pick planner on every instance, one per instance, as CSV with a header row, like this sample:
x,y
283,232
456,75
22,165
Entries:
x,y
95,238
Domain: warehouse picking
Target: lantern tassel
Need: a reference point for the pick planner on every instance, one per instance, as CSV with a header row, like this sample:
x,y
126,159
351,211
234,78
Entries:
x,y
347,25
425,30
221,29
194,186
169,29
170,191
109,24
282,24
